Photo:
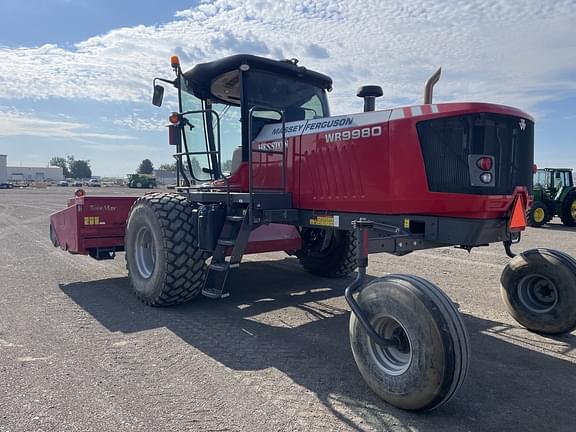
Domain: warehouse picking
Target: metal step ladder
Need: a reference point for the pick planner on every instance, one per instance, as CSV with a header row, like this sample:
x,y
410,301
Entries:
x,y
234,234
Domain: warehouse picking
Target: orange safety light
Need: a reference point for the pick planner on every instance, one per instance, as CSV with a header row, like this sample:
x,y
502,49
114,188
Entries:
x,y
175,61
518,219
174,118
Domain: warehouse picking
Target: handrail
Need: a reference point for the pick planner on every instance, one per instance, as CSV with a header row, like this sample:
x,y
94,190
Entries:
x,y
217,152
250,151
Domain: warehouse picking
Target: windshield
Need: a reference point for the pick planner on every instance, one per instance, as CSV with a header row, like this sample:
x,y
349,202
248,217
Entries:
x,y
299,99
226,131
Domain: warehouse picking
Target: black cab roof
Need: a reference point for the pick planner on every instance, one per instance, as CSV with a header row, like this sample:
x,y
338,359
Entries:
x,y
201,78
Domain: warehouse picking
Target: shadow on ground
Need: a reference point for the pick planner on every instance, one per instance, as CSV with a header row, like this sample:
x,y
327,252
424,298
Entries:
x,y
509,387
557,227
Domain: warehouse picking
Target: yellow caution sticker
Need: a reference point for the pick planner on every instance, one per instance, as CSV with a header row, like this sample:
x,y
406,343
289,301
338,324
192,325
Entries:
x,y
92,220
325,220
406,223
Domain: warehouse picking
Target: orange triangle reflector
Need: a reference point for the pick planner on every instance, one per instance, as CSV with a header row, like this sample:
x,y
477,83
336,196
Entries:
x,y
518,219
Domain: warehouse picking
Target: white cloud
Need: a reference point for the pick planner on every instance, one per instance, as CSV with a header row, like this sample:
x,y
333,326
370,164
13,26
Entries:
x,y
148,124
14,123
514,52
118,148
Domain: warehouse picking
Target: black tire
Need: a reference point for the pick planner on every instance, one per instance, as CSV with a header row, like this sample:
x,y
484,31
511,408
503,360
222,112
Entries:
x,y
164,263
538,214
432,362
539,290
139,185
337,259
53,237
569,210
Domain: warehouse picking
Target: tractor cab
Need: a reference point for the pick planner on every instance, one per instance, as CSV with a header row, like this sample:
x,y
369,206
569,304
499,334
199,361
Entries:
x,y
225,104
552,181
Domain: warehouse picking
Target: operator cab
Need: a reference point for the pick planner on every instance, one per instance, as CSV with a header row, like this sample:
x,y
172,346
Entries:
x,y
553,180
226,103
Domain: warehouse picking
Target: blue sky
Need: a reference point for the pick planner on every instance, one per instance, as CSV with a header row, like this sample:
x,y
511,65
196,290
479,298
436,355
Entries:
x,y
75,75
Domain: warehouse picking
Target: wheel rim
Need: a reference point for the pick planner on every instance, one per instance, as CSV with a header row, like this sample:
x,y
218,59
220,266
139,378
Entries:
x,y
393,360
317,244
537,293
573,210
145,255
538,215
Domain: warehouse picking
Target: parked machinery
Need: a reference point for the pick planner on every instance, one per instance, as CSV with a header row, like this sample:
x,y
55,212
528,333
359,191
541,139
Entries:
x,y
332,190
554,195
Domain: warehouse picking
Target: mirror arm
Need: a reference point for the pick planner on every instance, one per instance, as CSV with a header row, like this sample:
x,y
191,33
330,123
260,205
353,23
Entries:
x,y
173,82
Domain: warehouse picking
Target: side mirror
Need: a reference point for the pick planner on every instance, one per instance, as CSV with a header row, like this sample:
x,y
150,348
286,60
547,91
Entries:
x,y
158,95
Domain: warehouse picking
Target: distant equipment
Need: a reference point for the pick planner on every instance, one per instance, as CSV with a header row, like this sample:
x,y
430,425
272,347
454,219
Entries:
x,y
554,195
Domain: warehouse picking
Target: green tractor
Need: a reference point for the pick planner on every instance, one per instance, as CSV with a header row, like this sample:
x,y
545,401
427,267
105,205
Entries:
x,y
140,181
554,194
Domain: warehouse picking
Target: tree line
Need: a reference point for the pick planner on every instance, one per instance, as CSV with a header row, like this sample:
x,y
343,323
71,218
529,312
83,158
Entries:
x,y
80,169
72,168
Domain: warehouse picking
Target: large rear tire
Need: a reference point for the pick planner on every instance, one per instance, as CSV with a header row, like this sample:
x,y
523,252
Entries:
x,y
431,361
333,256
539,290
569,210
164,263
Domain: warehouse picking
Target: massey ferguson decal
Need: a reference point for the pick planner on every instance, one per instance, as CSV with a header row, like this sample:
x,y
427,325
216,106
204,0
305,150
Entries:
x,y
362,125
305,127
330,123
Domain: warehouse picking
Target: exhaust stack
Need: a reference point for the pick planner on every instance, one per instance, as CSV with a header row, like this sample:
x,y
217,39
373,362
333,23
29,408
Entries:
x,y
369,93
429,87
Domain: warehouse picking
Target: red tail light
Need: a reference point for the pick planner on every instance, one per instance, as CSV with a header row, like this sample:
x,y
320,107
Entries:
x,y
484,163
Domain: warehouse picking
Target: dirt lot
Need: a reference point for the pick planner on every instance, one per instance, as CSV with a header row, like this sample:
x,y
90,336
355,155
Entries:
x,y
79,353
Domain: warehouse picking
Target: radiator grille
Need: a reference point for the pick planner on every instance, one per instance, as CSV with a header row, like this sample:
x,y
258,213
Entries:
x,y
446,143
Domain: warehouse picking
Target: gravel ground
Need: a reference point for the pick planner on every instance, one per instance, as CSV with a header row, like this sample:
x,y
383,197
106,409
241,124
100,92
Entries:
x,y
79,353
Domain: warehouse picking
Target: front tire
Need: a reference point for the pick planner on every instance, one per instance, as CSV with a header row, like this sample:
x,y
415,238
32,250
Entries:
x,y
569,210
431,361
328,253
538,214
539,290
164,263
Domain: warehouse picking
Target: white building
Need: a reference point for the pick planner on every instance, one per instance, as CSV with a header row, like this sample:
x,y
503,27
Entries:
x,y
3,169
27,173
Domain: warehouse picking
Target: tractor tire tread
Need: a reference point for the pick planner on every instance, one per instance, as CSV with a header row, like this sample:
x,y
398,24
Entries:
x,y
550,263
401,296
566,217
340,263
185,265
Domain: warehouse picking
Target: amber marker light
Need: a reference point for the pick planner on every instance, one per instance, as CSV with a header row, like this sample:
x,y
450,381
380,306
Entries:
x,y
174,118
175,61
79,193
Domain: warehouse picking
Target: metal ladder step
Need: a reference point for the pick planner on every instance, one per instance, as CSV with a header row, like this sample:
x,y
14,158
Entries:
x,y
234,234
